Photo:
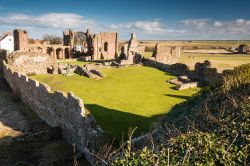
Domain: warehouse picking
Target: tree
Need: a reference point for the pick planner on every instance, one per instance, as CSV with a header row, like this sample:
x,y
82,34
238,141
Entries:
x,y
52,39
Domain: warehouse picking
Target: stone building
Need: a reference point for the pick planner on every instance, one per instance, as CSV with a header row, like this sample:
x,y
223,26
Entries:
x,y
20,40
243,49
95,46
166,54
131,52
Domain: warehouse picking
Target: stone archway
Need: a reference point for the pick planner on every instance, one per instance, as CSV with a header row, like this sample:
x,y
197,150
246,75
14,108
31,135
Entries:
x,y
59,53
66,53
39,49
49,51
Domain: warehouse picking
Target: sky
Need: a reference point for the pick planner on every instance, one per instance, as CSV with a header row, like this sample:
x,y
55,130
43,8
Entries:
x,y
149,19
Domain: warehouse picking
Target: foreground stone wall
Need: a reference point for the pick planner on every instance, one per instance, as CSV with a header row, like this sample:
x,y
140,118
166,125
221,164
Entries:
x,y
57,109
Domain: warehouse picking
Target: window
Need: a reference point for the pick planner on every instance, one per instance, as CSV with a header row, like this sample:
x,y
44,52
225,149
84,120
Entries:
x,y
106,46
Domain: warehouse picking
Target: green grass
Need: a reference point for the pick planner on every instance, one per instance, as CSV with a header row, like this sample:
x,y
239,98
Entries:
x,y
126,98
148,54
73,62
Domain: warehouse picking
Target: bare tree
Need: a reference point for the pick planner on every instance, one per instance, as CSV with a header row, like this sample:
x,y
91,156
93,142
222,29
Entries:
x,y
52,39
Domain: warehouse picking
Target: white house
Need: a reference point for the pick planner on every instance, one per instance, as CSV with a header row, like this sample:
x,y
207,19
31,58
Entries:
x,y
7,42
79,47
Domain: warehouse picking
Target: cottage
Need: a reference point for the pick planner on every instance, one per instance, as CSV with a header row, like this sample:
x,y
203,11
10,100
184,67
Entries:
x,y
7,42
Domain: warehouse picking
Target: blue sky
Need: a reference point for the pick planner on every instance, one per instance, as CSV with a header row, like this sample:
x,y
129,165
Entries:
x,y
154,19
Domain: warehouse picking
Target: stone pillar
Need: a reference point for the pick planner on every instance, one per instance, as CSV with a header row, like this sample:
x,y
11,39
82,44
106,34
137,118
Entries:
x,y
62,51
54,53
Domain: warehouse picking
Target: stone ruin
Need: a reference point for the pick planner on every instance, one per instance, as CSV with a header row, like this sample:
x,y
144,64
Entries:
x,y
29,63
166,54
89,70
93,46
243,49
131,52
183,82
206,74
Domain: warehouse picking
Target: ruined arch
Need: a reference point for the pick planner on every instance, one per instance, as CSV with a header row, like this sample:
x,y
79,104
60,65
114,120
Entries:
x,y
49,51
105,46
66,53
59,54
39,49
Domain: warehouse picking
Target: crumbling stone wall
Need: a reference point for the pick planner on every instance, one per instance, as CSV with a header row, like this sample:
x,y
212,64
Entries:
x,y
166,54
179,69
57,109
203,73
30,63
105,45
131,52
206,74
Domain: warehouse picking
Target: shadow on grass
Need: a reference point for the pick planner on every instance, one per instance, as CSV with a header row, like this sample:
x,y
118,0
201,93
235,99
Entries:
x,y
117,123
179,96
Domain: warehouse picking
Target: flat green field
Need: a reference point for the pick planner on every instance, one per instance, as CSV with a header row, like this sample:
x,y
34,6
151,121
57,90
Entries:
x,y
126,98
219,61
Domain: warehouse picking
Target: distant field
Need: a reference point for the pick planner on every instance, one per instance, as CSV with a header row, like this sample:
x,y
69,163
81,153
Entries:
x,y
196,43
220,61
125,98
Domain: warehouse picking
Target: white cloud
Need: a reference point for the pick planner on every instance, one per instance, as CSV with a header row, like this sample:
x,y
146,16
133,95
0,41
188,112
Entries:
x,y
154,27
198,23
218,29
55,23
49,20
218,24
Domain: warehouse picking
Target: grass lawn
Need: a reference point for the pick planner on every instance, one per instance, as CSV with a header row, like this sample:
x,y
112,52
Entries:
x,y
73,62
126,98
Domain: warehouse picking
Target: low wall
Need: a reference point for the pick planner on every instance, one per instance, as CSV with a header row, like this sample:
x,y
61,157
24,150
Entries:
x,y
151,62
57,109
203,73
187,85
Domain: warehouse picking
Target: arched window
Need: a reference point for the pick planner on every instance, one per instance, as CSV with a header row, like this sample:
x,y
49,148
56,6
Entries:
x,y
106,46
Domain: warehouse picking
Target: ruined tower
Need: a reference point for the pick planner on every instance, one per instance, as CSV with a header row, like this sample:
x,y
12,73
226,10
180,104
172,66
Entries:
x,y
20,40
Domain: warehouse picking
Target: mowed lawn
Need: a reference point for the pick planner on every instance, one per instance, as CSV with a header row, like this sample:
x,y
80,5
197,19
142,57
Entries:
x,y
126,98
